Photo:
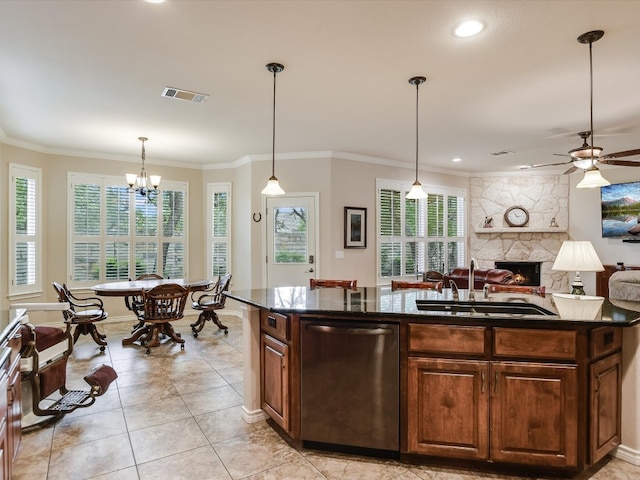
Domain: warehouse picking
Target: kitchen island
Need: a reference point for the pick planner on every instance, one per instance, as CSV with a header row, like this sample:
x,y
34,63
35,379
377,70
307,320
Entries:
x,y
510,381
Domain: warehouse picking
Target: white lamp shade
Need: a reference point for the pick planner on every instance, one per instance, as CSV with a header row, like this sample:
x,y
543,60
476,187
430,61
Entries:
x,y
577,256
131,179
155,180
272,188
416,192
592,179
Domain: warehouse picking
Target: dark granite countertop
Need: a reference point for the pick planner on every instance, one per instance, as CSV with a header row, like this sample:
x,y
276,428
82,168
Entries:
x,y
382,302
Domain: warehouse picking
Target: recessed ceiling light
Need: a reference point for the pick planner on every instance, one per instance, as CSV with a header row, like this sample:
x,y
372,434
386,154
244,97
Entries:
x,y
456,160
468,28
154,1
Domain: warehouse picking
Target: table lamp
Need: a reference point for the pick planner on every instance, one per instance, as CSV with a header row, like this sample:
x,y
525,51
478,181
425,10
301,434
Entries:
x,y
578,256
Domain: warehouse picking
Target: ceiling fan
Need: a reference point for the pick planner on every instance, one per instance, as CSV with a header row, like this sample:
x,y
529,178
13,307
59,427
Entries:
x,y
587,156
581,157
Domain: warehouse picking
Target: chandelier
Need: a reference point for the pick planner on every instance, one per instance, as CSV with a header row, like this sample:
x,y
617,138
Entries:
x,y
141,183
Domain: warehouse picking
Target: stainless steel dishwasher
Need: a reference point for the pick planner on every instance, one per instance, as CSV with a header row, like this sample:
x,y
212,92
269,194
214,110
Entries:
x,y
350,384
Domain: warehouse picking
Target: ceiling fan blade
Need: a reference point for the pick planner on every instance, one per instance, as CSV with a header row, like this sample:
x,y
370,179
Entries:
x,y
621,163
562,155
544,165
571,170
626,153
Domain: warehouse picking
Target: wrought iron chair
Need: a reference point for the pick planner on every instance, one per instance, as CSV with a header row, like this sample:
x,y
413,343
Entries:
x,y
134,302
162,304
323,283
399,285
83,313
207,302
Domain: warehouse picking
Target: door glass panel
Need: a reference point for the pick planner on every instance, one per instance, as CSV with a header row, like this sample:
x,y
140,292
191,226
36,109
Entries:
x,y
290,235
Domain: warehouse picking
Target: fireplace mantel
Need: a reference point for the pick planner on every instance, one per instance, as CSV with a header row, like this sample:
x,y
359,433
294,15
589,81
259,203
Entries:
x,y
488,231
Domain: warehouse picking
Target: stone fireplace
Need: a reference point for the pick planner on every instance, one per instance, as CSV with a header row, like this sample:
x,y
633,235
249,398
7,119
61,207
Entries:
x,y
526,273
546,197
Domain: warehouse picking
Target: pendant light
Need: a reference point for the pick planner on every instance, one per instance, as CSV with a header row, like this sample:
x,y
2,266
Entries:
x,y
273,186
592,177
416,191
141,183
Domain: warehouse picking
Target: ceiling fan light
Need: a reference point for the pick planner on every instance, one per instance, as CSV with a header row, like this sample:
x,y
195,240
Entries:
x,y
584,163
416,192
592,179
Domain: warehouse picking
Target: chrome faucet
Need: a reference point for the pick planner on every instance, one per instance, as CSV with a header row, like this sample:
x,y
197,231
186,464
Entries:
x,y
454,290
472,277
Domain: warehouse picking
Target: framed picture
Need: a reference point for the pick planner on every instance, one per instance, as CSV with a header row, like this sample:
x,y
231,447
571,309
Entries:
x,y
355,227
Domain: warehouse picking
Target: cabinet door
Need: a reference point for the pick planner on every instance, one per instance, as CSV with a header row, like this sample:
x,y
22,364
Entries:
x,y
448,408
534,413
275,380
14,412
606,384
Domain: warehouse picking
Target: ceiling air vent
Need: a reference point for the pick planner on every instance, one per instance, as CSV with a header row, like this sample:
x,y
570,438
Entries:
x,y
184,95
501,152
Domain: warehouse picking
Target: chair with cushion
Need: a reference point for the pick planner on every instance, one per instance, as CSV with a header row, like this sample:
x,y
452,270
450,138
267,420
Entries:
x,y
321,283
499,288
134,302
401,285
625,285
207,302
84,313
460,276
162,305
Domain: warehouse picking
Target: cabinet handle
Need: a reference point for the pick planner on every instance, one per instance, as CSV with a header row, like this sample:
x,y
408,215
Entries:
x,y
482,376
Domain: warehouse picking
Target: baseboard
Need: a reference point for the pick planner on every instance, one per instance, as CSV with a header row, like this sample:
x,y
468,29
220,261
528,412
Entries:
x,y
627,454
253,416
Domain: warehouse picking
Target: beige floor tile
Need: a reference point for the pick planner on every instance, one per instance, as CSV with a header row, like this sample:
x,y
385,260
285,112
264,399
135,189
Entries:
x,y
299,469
226,424
129,473
31,467
108,401
88,428
218,398
201,463
134,395
254,453
153,413
342,467
36,442
198,382
167,439
91,459
231,374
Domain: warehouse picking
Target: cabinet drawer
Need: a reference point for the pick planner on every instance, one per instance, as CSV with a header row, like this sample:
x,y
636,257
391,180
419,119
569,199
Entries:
x,y
531,343
446,339
276,325
605,340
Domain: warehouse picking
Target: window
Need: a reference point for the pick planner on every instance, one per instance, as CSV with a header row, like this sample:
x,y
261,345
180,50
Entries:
x,y
219,229
25,240
117,235
415,236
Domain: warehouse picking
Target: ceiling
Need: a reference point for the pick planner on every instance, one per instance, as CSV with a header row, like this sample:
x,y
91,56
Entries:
x,y
85,78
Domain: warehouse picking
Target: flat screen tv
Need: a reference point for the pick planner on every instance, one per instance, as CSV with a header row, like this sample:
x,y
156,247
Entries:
x,y
620,210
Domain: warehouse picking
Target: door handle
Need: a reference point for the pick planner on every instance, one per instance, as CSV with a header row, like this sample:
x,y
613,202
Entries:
x,y
309,271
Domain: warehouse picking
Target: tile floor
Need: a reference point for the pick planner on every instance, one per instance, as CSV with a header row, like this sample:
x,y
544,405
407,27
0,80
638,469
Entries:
x,y
176,414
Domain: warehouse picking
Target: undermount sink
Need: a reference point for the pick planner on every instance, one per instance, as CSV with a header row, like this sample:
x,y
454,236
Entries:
x,y
482,307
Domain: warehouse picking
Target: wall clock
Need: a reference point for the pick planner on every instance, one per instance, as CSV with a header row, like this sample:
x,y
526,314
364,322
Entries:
x,y
516,216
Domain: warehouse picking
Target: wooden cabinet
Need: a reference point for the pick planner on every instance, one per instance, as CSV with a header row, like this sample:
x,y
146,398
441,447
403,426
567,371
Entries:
x,y
10,404
448,408
275,380
534,414
275,369
518,397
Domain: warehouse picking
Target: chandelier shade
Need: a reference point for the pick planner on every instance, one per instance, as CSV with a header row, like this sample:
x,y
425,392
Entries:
x,y
141,183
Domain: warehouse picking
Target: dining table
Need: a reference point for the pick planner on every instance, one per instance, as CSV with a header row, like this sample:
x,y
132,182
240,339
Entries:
x,y
131,288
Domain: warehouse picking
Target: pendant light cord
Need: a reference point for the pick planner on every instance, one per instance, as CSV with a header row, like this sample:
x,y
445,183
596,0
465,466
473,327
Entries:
x,y
417,87
273,137
591,99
